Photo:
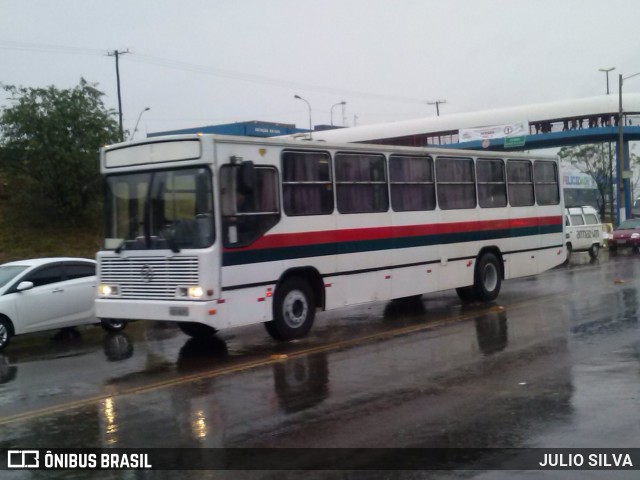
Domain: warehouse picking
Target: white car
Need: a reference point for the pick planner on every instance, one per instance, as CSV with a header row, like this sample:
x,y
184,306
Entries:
x,y
48,293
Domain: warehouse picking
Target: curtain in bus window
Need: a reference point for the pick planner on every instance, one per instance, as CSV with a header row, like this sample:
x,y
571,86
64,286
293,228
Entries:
x,y
546,178
492,188
456,183
306,183
520,183
361,184
411,180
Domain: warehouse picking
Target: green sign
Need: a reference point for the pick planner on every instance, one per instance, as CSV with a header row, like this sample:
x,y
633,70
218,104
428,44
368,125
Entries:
x,y
514,142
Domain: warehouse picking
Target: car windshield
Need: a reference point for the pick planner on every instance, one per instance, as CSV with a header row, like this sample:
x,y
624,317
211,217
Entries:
x,y
9,272
629,225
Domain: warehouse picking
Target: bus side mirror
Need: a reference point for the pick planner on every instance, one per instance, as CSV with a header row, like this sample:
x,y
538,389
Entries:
x,y
246,179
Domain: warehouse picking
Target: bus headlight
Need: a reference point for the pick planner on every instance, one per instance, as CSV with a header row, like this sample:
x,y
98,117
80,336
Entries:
x,y
195,292
107,290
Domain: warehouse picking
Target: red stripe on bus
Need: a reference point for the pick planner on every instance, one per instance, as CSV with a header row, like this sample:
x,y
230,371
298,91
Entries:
x,y
283,240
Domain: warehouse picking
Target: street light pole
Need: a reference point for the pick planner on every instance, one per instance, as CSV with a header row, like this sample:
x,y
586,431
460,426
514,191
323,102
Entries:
x,y
310,122
611,208
139,117
335,105
606,71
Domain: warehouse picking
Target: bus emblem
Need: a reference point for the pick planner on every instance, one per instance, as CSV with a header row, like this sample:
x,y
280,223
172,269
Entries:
x,y
146,273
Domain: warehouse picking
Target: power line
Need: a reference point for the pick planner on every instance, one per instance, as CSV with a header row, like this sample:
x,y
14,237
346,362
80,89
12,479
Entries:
x,y
206,70
248,77
39,47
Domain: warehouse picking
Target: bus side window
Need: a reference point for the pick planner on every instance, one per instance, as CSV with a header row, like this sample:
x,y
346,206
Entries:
x,y
306,183
411,180
361,183
247,215
456,186
492,187
547,185
520,183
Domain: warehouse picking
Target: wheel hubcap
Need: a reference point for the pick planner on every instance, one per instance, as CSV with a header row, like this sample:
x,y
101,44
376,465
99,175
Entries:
x,y
4,334
490,277
295,309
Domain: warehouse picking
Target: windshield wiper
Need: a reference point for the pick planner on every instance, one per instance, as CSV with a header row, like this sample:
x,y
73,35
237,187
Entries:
x,y
168,236
119,248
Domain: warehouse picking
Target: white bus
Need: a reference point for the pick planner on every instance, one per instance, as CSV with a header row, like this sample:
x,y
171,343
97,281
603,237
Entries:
x,y
215,232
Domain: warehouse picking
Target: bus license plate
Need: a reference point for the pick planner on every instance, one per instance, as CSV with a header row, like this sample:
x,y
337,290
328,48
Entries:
x,y
179,311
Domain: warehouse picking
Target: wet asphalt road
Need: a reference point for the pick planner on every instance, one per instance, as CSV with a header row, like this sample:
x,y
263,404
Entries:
x,y
555,362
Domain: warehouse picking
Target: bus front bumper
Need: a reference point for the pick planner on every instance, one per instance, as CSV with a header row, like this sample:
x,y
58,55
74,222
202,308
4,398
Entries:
x,y
172,311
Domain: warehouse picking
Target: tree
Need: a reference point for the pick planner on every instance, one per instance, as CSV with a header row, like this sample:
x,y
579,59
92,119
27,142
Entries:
x,y
49,139
592,159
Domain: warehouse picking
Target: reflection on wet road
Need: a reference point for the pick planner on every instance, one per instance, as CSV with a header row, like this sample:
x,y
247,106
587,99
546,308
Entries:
x,y
554,363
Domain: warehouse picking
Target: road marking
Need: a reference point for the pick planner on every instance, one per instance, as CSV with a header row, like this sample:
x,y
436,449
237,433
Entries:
x,y
271,359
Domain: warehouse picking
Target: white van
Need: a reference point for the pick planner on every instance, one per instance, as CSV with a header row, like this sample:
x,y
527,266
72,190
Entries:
x,y
583,231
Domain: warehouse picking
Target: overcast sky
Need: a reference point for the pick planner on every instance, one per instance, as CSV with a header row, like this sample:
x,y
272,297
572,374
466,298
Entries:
x,y
204,62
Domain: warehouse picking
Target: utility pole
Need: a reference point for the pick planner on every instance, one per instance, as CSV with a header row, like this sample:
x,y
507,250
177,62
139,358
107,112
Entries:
x,y
437,104
117,54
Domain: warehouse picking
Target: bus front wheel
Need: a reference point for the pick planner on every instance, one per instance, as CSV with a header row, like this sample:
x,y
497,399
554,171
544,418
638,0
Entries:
x,y
488,278
293,310
196,330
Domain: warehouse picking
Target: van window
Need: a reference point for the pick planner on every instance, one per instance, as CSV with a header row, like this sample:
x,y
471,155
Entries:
x,y
577,220
590,219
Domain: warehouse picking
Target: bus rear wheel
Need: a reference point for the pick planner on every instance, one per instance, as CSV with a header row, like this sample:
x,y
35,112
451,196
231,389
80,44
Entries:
x,y
294,310
467,294
488,278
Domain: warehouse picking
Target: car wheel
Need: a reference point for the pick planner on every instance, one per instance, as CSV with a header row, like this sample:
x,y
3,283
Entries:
x,y
569,251
6,332
594,250
113,324
294,310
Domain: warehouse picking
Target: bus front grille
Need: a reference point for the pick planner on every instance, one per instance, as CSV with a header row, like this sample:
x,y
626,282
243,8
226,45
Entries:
x,y
149,277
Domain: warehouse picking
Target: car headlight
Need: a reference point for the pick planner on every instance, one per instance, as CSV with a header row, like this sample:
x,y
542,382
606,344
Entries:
x,y
635,235
107,290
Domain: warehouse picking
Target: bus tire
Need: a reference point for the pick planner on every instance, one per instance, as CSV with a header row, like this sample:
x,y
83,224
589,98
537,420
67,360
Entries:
x,y
113,325
594,250
467,294
488,278
196,330
294,310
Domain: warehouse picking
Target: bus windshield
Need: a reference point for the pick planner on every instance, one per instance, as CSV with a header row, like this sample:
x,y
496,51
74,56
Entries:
x,y
158,210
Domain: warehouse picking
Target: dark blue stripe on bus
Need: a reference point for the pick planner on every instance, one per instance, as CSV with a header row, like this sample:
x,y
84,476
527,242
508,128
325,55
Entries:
x,y
248,256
